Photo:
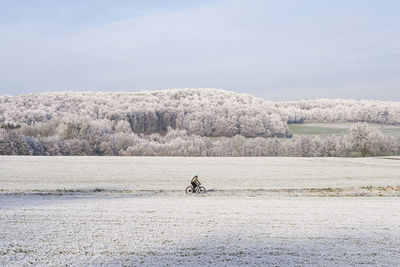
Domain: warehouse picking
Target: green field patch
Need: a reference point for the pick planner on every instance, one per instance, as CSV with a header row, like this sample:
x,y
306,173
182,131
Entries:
x,y
322,131
327,129
395,131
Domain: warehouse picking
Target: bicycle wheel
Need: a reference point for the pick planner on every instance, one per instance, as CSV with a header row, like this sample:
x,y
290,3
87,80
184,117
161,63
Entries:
x,y
201,190
189,190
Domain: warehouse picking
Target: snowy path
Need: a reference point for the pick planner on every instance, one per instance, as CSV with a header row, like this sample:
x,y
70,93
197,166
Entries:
x,y
123,229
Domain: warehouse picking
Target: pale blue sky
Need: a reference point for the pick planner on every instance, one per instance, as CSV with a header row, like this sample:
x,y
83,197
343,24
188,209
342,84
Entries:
x,y
277,50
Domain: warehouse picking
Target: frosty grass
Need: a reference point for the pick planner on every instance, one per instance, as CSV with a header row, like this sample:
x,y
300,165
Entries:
x,y
262,211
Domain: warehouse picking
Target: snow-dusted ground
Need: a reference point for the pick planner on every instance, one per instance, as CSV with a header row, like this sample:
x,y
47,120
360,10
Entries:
x,y
263,211
174,173
191,230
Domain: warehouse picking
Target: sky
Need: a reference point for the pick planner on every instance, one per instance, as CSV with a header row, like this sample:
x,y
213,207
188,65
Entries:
x,y
276,50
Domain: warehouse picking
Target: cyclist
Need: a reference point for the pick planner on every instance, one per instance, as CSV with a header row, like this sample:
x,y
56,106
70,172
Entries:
x,y
195,182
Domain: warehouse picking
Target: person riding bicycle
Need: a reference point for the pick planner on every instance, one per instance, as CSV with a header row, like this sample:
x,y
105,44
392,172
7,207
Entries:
x,y
195,182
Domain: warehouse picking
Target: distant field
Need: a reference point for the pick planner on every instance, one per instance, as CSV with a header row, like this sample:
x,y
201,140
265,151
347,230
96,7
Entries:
x,y
323,129
326,129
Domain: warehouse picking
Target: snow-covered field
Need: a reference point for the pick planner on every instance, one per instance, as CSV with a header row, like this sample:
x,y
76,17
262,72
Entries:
x,y
263,211
33,173
180,230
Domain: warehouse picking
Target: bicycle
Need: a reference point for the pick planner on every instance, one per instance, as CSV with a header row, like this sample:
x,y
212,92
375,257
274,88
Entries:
x,y
199,190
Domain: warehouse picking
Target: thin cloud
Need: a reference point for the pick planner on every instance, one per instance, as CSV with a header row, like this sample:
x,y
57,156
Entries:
x,y
269,49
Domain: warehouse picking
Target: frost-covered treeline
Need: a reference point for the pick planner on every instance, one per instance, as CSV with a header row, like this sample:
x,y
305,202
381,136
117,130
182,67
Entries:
x,y
340,110
178,122
361,140
205,112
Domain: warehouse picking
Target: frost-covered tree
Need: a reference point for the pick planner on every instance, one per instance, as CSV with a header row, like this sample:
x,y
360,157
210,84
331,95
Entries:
x,y
364,139
12,143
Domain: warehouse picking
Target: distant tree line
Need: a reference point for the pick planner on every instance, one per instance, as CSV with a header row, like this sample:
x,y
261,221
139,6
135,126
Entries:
x,y
362,140
206,112
187,122
340,110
